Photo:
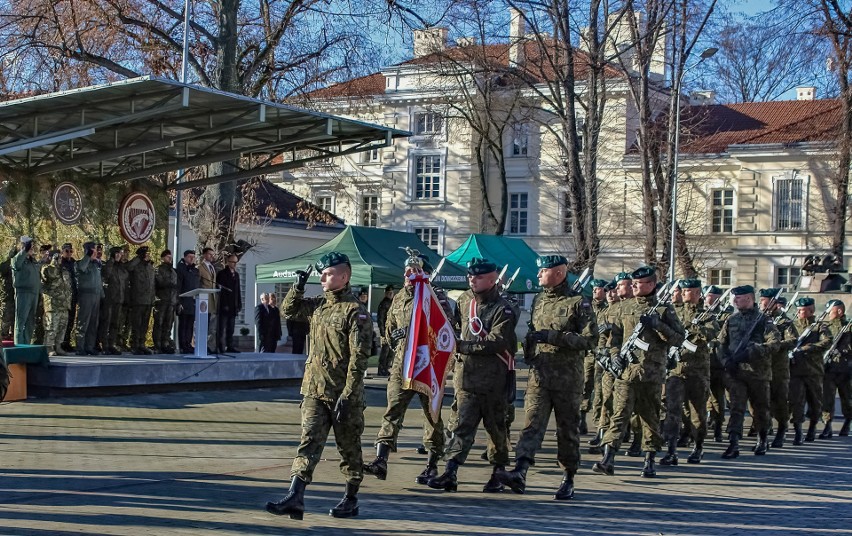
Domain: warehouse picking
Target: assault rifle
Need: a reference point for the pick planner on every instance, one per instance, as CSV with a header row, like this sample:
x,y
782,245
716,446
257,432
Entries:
x,y
505,286
807,334
826,357
745,339
777,319
704,315
626,355
581,281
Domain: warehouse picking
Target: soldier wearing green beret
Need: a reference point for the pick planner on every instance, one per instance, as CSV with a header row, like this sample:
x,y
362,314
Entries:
x,y
56,287
115,280
90,291
807,369
333,383
486,348
779,384
716,402
591,370
142,275
641,383
838,371
27,281
166,300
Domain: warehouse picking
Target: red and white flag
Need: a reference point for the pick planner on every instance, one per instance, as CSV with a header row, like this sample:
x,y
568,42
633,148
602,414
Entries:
x,y
430,346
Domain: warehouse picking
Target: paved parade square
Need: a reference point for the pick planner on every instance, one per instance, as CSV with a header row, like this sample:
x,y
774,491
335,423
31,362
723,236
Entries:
x,y
206,462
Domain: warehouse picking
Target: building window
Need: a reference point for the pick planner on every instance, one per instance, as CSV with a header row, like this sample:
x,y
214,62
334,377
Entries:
x,y
325,202
429,235
567,217
427,123
518,213
721,278
723,211
520,139
372,156
789,204
786,276
427,177
370,211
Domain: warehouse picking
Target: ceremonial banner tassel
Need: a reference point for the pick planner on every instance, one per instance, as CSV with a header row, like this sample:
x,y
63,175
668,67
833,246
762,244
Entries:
x,y
430,346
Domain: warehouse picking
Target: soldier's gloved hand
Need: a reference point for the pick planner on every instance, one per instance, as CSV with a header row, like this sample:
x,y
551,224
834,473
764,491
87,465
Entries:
x,y
539,336
464,347
398,334
650,321
605,327
28,245
835,354
341,409
797,354
730,365
302,278
741,356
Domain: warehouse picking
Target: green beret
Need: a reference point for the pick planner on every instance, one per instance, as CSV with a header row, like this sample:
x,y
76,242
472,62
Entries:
x,y
477,266
114,250
610,285
782,300
804,302
621,276
689,283
599,283
768,292
713,289
426,266
743,289
643,272
550,261
835,303
364,291
332,258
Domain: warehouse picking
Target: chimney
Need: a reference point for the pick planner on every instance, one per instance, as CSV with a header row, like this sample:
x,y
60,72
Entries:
x,y
429,40
704,97
517,31
805,93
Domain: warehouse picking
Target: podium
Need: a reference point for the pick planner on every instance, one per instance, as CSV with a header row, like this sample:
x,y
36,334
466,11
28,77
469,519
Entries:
x,y
202,316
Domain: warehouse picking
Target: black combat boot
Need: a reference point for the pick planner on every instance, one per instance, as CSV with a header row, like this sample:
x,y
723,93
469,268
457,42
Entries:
x,y
697,452
811,435
494,485
717,431
348,505
752,431
648,470
566,488
448,481
595,443
607,464
431,470
797,434
379,467
761,447
671,456
733,450
827,432
635,449
516,479
584,428
778,442
293,504
844,430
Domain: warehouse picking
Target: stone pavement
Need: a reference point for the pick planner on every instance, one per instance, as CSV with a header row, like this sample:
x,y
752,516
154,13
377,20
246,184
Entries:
x,y
206,462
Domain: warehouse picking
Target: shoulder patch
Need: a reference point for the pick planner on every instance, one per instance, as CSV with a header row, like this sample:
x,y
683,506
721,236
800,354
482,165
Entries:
x,y
508,311
362,316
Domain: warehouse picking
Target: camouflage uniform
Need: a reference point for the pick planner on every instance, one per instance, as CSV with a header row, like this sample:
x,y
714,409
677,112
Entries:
x,y
115,289
779,385
593,373
340,337
141,298
807,371
27,281
605,343
165,284
386,354
716,402
838,375
7,299
56,287
90,290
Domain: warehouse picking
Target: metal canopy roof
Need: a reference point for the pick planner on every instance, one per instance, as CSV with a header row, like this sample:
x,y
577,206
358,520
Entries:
x,y
146,126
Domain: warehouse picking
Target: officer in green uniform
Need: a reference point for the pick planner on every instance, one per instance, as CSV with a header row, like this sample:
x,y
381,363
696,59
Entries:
x,y
562,331
27,281
115,288
7,300
385,353
56,287
90,290
716,402
688,382
487,344
807,369
592,371
838,367
141,275
165,291
396,328
333,384
640,385
779,384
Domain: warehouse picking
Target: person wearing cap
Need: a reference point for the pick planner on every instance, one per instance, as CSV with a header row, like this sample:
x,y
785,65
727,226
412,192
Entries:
x,y
230,303
56,287
7,298
69,264
396,328
165,302
591,370
385,353
141,273
27,282
90,290
639,387
716,402
563,330
838,372
115,287
207,277
807,370
187,280
333,383
688,383
779,384
44,258
483,354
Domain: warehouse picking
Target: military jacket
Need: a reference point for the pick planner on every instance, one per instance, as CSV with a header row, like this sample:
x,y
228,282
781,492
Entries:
x,y
483,370
811,363
166,284
25,273
609,325
599,308
89,277
843,350
399,317
187,280
115,281
697,363
56,287
778,351
340,339
758,363
572,319
382,314
141,275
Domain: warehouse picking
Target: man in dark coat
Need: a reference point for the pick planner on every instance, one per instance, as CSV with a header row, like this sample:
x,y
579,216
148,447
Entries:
x,y
188,279
230,304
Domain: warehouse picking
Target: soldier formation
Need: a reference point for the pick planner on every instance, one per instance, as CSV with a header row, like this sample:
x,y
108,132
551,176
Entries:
x,y
655,359
106,306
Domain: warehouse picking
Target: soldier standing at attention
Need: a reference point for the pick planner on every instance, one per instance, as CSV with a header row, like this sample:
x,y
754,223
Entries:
x,y
779,384
640,385
592,371
807,369
115,288
608,327
563,331
716,402
333,384
385,354
27,282
165,290
56,286
69,264
141,272
90,290
837,372
187,280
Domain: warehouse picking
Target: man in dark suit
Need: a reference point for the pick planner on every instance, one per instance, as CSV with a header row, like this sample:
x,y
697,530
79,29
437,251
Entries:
x,y
188,279
262,315
230,304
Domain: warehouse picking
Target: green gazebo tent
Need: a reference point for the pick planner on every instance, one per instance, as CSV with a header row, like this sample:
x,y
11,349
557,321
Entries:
x,y
503,250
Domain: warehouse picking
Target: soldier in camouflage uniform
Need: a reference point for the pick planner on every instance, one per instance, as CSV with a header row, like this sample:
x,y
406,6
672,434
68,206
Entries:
x,y
126,314
396,328
56,287
7,298
640,385
27,281
70,264
44,259
689,381
141,274
603,328
166,292
838,371
115,287
90,290
591,370
487,344
807,369
333,384
716,402
562,331
620,286
779,384
385,353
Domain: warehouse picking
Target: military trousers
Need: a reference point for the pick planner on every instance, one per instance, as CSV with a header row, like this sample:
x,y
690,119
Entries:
x,y
716,402
38,326
139,322
490,449
317,421
564,402
473,408
745,389
686,392
72,319
164,320
385,356
643,397
25,313
55,323
805,390
398,401
597,396
838,380
779,399
607,383
89,307
588,382
110,323
7,320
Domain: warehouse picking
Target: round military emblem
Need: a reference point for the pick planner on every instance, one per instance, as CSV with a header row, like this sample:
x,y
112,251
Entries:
x,y
529,285
136,218
67,203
